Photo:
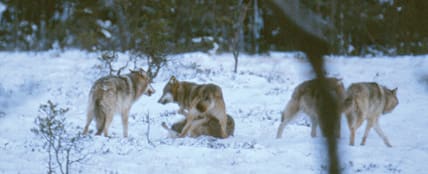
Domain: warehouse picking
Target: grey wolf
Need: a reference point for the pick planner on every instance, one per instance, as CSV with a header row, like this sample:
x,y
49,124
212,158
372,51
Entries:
x,y
306,97
210,128
368,101
115,94
196,100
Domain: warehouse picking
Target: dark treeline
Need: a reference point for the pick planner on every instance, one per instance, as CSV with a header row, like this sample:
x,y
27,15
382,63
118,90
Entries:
x,y
147,26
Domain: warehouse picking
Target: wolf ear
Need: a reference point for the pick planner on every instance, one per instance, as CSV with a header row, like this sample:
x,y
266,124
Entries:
x,y
394,91
139,70
142,72
172,80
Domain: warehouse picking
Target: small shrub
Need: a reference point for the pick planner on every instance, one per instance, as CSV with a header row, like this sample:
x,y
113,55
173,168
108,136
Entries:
x,y
58,143
107,58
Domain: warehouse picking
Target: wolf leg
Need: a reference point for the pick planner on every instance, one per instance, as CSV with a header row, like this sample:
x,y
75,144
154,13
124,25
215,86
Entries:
x,y
352,138
100,119
338,126
197,123
125,116
381,134
351,125
314,126
355,119
189,119
370,123
223,126
109,119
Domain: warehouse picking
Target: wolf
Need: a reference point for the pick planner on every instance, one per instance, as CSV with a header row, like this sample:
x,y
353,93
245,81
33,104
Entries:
x,y
210,128
115,94
306,97
368,101
196,100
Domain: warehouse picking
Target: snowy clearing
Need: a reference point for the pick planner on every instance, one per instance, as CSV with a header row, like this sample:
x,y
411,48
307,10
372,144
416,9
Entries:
x,y
254,96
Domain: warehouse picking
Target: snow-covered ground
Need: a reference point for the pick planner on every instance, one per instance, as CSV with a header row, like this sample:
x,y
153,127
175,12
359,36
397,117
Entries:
x,y
254,96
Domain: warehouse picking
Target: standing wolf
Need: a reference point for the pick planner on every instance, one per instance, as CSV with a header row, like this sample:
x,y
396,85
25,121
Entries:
x,y
306,97
195,100
367,101
115,94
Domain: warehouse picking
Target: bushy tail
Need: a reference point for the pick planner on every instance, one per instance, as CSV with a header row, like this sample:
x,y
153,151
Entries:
x,y
89,116
348,104
291,109
230,125
100,118
293,106
288,114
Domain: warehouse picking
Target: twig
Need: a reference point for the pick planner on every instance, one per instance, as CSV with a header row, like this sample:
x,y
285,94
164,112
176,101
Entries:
x,y
122,68
148,131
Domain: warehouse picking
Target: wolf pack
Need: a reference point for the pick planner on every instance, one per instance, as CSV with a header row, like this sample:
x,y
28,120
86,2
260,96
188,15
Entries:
x,y
204,109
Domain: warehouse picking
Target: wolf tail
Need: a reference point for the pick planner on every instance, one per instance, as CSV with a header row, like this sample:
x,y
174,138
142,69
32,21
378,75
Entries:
x,y
289,113
291,109
100,117
89,117
230,125
348,104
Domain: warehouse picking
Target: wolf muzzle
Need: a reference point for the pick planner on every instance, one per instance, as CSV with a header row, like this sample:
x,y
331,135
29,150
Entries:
x,y
166,98
149,91
162,101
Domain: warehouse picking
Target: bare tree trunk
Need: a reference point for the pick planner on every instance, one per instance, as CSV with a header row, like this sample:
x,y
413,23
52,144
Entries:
x,y
148,131
50,171
256,29
333,35
57,156
67,161
235,57
154,64
123,27
238,38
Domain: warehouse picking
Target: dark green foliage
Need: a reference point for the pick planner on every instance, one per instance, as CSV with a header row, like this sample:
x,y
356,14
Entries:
x,y
153,28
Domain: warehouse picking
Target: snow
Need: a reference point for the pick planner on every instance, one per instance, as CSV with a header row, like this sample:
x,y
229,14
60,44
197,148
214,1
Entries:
x,y
254,96
2,9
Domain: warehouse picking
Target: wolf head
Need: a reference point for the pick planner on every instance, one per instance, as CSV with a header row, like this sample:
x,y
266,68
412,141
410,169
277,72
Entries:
x,y
169,91
391,100
143,81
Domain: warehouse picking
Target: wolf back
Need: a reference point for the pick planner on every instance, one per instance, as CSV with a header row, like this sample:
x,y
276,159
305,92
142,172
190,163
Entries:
x,y
368,101
115,94
306,97
196,100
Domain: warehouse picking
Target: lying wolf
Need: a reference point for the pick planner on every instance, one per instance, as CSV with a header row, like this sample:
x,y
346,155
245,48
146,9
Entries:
x,y
210,128
115,94
196,100
367,101
306,97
